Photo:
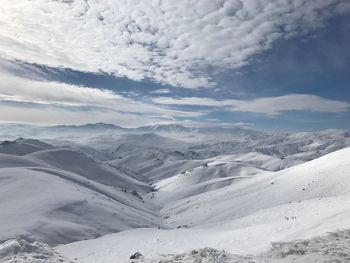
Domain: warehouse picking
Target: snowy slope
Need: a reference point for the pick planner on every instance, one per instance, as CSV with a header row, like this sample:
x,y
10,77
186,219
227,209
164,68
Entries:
x,y
9,160
59,207
324,177
153,163
85,165
170,189
60,195
304,201
212,174
22,146
269,152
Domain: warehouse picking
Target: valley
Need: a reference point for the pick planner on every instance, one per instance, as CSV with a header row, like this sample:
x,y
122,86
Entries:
x,y
100,192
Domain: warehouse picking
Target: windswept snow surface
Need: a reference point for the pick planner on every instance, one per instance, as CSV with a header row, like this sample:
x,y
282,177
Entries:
x,y
205,255
333,247
22,251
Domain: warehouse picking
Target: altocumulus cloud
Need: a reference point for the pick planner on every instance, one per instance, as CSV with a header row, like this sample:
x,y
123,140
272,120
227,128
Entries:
x,y
269,105
168,41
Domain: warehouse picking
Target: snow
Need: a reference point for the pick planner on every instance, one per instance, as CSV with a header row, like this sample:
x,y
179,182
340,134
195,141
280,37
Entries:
x,y
331,248
22,251
22,146
244,218
310,180
334,247
101,193
86,166
58,208
206,255
62,195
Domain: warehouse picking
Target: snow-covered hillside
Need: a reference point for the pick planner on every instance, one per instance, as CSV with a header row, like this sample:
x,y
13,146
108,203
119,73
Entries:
x,y
157,191
305,201
22,146
325,177
62,195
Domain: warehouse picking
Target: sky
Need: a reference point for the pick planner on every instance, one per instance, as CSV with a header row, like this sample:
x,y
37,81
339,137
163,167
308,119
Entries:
x,y
268,64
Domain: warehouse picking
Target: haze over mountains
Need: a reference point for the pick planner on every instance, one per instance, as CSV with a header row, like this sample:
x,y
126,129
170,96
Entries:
x,y
231,188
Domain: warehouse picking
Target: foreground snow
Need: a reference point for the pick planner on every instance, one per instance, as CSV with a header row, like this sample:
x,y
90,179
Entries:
x,y
206,255
22,251
334,247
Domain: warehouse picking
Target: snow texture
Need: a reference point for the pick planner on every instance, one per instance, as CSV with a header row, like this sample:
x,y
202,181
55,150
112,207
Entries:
x,y
331,248
22,251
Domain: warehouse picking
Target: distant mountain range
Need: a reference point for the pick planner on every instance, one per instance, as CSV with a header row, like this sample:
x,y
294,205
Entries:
x,y
170,186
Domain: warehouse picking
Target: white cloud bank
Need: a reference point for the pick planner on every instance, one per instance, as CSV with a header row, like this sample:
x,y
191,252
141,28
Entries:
x,y
269,105
169,41
26,99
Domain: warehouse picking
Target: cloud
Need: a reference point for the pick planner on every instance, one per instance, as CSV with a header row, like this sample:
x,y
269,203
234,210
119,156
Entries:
x,y
12,111
268,105
161,91
16,88
38,100
172,42
343,8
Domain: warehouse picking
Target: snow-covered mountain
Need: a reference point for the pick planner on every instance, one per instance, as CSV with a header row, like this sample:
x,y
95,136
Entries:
x,y
22,146
228,188
244,217
59,195
188,134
